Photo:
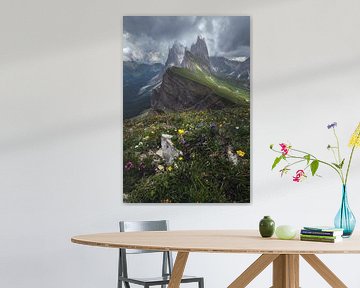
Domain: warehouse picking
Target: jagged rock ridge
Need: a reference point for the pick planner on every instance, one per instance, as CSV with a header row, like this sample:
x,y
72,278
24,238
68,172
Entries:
x,y
175,55
178,93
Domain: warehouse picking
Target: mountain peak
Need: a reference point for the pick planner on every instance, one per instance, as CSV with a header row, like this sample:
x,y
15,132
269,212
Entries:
x,y
199,49
197,56
175,55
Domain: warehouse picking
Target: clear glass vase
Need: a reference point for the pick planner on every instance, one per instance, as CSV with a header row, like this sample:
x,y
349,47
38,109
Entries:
x,y
345,219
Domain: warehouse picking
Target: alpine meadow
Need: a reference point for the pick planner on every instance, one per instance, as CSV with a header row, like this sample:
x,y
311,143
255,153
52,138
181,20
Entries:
x,y
186,96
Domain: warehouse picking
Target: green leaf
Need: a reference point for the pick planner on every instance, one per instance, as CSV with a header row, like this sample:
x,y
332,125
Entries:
x,y
342,163
339,166
336,165
276,162
271,146
307,157
314,166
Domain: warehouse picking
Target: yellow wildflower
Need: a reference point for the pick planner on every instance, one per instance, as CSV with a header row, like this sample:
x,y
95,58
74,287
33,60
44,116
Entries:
x,y
169,168
181,158
240,153
181,131
355,138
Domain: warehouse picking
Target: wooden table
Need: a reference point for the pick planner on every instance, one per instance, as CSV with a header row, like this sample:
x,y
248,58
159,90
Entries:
x,y
284,254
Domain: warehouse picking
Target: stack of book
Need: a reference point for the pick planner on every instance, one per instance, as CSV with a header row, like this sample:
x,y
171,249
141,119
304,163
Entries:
x,y
321,234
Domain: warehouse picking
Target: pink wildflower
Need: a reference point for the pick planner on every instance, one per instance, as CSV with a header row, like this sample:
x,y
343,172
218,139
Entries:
x,y
129,165
300,174
284,148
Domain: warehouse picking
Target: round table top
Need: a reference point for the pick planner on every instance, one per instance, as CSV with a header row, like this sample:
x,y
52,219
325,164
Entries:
x,y
219,241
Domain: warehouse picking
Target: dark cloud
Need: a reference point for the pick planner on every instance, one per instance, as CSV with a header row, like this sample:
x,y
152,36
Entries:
x,y
236,34
158,27
147,38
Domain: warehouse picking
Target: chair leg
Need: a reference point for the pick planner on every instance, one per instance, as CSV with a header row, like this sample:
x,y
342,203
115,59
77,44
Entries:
x,y
201,283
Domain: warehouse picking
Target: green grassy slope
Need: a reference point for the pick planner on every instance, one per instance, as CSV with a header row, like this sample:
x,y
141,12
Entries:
x,y
203,173
220,87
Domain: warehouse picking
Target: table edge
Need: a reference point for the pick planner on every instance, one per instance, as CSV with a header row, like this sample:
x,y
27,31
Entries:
x,y
203,250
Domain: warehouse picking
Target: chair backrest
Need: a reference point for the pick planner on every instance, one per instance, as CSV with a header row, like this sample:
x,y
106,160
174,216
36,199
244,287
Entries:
x,y
137,226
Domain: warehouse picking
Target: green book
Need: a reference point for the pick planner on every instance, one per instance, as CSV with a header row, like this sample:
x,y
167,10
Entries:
x,y
325,240
319,236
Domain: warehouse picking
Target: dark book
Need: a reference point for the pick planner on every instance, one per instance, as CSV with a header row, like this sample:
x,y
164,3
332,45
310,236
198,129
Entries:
x,y
321,233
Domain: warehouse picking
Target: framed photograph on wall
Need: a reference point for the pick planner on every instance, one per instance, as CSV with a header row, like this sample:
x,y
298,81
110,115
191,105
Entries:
x,y
186,109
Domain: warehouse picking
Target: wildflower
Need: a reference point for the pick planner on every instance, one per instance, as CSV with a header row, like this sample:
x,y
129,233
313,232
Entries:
x,y
284,148
355,137
129,165
146,138
237,127
300,175
160,167
181,158
213,129
169,168
141,166
182,141
139,145
240,153
284,171
181,131
332,125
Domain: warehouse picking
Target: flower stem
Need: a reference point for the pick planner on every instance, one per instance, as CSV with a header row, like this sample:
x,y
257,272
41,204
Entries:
x,y
338,145
350,159
348,167
313,158
339,156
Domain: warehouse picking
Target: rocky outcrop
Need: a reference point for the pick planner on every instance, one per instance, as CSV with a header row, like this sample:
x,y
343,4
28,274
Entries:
x,y
199,50
230,69
193,63
175,55
197,57
177,93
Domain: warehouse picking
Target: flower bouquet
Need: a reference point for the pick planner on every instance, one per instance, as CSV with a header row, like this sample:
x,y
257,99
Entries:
x,y
293,157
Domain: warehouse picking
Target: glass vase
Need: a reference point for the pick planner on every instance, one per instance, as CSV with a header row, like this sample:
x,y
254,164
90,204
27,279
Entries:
x,y
345,219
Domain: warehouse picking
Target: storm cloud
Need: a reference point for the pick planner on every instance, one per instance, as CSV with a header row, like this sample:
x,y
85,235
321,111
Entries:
x,y
148,38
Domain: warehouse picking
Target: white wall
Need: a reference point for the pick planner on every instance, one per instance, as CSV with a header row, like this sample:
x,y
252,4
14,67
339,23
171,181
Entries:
x,y
60,133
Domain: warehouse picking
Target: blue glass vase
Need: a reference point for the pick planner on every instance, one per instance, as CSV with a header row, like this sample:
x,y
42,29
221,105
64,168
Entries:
x,y
345,219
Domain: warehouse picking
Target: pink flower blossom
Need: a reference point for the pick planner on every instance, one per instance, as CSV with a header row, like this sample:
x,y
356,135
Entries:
x,y
129,165
300,174
284,148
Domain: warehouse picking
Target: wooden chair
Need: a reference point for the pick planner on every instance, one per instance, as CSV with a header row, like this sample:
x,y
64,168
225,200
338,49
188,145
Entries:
x,y
167,262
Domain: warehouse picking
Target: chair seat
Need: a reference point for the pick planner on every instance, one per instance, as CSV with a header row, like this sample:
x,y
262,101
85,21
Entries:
x,y
158,280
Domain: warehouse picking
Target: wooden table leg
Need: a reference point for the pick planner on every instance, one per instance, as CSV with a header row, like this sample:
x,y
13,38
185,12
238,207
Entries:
x,y
178,269
286,271
324,271
253,270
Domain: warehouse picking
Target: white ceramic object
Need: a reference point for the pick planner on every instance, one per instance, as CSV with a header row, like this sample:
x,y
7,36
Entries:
x,y
286,232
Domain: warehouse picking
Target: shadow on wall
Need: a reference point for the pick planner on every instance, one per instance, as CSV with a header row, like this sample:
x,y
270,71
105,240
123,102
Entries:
x,y
309,75
68,130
